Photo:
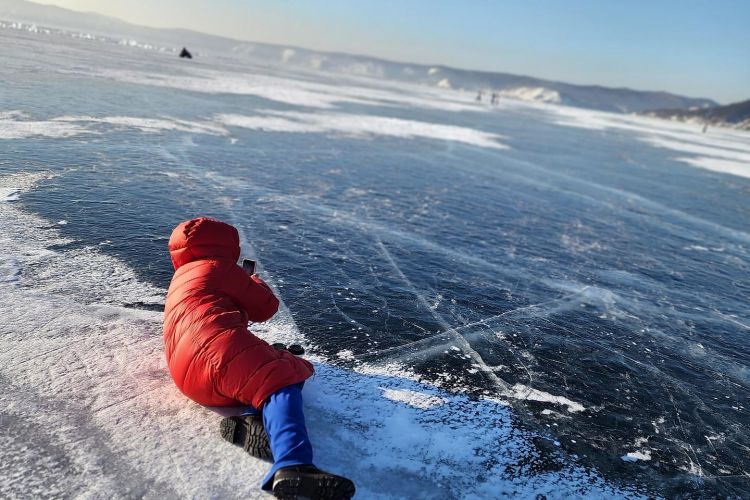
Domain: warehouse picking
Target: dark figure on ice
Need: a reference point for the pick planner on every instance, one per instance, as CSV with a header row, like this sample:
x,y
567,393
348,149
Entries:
x,y
495,98
479,96
186,53
217,362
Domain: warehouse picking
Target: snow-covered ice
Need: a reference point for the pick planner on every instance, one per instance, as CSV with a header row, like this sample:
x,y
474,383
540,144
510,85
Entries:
x,y
723,150
360,125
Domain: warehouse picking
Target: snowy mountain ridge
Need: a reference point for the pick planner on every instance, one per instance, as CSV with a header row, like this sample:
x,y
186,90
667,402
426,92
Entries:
x,y
620,100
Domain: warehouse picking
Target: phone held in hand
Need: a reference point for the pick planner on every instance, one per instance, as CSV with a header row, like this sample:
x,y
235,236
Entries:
x,y
249,266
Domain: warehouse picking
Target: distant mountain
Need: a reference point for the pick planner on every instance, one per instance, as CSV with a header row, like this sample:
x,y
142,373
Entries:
x,y
735,115
621,100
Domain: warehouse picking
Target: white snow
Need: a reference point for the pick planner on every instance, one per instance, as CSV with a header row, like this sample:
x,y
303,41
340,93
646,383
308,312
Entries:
x,y
719,150
345,354
414,398
522,392
300,91
360,126
287,55
444,84
284,90
634,456
9,194
149,125
740,169
535,94
17,125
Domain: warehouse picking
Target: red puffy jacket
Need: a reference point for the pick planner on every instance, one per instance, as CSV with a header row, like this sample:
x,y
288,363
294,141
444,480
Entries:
x,y
212,356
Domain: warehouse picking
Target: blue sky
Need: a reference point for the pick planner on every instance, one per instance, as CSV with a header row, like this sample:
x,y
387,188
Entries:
x,y
695,47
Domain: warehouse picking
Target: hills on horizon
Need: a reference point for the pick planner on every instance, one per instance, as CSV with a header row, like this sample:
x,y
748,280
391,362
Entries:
x,y
735,115
621,100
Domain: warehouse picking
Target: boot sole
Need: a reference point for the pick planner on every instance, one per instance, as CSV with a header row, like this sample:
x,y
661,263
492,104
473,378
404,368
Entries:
x,y
314,488
253,439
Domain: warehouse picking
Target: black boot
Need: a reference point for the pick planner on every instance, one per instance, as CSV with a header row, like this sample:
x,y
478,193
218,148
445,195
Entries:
x,y
307,481
247,432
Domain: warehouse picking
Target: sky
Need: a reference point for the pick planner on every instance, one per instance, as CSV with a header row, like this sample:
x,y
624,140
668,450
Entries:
x,y
699,48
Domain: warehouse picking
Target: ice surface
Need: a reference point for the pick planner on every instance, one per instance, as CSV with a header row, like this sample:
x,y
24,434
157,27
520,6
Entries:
x,y
85,388
53,271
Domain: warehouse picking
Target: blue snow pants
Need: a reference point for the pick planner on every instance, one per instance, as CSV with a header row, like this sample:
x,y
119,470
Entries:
x,y
287,434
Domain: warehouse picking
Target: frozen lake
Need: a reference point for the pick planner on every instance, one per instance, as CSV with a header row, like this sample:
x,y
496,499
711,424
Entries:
x,y
521,299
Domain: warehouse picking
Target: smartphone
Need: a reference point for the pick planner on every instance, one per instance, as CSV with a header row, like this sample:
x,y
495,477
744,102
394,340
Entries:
x,y
249,266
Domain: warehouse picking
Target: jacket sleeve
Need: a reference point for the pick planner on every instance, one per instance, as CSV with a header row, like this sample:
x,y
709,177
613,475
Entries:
x,y
251,294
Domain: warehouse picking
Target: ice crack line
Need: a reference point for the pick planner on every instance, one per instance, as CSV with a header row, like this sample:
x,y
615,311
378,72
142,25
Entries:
x,y
482,321
517,391
457,337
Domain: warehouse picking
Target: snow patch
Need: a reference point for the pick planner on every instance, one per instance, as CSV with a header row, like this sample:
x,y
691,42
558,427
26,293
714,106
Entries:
x,y
413,398
740,169
300,92
360,126
9,194
444,84
534,94
634,456
287,55
525,393
346,354
725,151
284,90
149,125
17,125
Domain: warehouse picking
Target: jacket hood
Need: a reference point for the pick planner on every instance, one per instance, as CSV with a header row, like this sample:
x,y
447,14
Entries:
x,y
203,238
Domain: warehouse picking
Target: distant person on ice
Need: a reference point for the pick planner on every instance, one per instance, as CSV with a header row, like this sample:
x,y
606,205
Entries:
x,y
217,362
186,53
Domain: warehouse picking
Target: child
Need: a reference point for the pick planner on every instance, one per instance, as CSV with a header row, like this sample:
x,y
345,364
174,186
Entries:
x,y
217,362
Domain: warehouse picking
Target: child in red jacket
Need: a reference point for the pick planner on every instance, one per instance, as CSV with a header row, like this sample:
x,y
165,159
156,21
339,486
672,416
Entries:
x,y
217,362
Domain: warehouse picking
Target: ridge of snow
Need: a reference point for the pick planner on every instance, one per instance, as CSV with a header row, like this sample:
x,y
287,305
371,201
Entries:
x,y
359,125
534,94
